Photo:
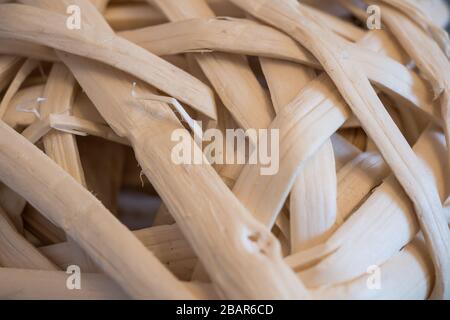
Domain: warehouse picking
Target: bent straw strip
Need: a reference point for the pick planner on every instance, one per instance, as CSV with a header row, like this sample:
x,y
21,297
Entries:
x,y
61,147
230,75
304,126
129,267
13,204
434,62
192,35
437,11
280,226
104,46
221,9
20,284
26,98
16,252
396,284
250,285
188,35
218,34
313,197
24,71
37,130
27,49
196,129
339,26
285,80
415,13
166,242
400,81
313,204
430,59
8,69
127,17
185,36
42,228
386,222
248,243
353,84
319,98
83,127
344,151
356,180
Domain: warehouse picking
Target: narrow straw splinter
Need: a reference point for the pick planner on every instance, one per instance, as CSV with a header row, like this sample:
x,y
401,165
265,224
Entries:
x,y
197,130
25,107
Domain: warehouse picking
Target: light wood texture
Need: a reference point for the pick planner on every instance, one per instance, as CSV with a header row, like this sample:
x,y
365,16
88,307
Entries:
x,y
143,64
16,252
354,86
165,242
22,74
8,68
61,147
230,75
313,196
20,284
386,222
87,146
61,205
